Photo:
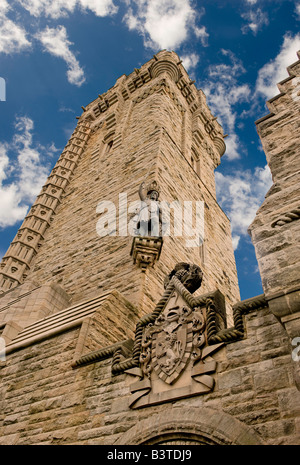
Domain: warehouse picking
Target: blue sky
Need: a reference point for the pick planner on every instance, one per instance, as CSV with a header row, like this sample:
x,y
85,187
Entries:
x,y
58,55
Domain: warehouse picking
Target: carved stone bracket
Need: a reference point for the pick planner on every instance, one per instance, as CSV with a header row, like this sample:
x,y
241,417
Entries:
x,y
145,251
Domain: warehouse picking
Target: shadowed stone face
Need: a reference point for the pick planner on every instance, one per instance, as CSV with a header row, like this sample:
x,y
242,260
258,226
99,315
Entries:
x,y
189,275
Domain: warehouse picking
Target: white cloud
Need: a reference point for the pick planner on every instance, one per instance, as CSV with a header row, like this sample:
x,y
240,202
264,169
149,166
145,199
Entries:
x,y
297,9
240,195
201,34
190,61
235,241
55,41
64,109
12,36
4,162
232,145
223,93
164,24
255,18
228,72
22,178
275,71
61,8
99,7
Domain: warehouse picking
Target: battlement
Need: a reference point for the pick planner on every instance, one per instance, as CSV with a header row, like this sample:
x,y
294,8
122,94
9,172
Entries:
x,y
163,64
276,227
288,87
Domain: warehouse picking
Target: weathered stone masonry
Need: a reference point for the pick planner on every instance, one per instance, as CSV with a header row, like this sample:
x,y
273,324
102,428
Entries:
x,y
157,123
102,351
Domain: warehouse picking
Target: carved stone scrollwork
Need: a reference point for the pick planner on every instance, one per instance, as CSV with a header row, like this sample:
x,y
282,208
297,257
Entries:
x,y
167,344
175,360
174,357
181,365
286,218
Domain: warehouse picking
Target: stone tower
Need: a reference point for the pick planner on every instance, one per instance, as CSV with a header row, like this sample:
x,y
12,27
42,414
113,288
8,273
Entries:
x,y
153,125
142,339
275,232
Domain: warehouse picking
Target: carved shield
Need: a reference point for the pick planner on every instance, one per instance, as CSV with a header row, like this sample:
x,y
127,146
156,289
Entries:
x,y
171,350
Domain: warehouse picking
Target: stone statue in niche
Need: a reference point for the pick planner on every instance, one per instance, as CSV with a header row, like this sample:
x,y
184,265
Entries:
x,y
149,215
147,226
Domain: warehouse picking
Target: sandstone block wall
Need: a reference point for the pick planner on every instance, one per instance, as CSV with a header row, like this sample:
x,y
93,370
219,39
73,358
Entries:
x,y
46,401
71,300
275,231
152,125
28,303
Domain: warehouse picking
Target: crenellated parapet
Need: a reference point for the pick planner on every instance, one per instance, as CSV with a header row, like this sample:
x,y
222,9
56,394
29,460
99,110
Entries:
x,y
164,73
275,231
28,240
289,89
153,124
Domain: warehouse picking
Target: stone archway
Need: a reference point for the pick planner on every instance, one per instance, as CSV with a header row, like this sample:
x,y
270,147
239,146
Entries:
x,y
190,425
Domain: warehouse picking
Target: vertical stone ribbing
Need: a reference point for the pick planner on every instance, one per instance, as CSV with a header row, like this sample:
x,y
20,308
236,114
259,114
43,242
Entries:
x,y
16,262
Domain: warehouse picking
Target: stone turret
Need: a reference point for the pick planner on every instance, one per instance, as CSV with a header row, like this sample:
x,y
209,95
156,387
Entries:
x,y
151,126
275,231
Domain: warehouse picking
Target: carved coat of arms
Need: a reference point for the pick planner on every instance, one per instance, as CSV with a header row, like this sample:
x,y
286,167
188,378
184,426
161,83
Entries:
x,y
175,360
172,340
